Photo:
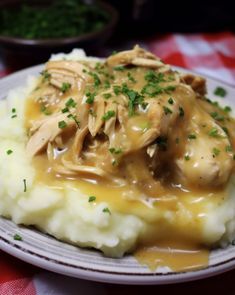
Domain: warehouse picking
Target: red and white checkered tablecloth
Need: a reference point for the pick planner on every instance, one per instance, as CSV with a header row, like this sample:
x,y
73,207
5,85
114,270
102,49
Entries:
x,y
209,54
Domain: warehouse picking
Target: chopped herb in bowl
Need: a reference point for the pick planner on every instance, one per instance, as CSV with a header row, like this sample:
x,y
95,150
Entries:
x,y
60,19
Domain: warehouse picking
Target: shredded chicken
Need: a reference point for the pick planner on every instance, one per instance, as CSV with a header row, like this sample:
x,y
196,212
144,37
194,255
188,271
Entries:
x,y
197,83
137,56
99,117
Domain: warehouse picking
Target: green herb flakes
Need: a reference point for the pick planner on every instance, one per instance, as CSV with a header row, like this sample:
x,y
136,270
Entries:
x,y
65,110
119,68
167,110
65,87
192,136
106,210
90,97
25,185
116,89
131,78
152,76
9,152
13,113
115,151
181,112
71,103
62,124
17,237
214,132
74,117
45,110
91,199
170,100
216,151
228,148
45,75
108,115
219,91
217,116
227,109
107,95
106,84
96,79
225,129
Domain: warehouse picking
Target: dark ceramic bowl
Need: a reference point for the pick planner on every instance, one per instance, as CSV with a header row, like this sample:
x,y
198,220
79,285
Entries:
x,y
19,53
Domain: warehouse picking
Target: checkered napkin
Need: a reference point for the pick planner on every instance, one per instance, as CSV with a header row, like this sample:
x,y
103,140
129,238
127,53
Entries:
x,y
209,54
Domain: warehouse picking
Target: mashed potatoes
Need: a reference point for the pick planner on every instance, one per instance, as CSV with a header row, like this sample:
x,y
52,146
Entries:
x,y
65,214
65,211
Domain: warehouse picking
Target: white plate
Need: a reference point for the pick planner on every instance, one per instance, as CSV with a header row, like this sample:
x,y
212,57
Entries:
x,y
44,251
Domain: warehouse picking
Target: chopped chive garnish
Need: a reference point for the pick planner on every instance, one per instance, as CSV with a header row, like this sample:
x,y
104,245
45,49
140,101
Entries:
x,y
227,109
217,116
96,79
45,75
187,158
170,100
116,89
106,84
108,115
228,148
115,151
13,113
131,78
71,103
216,151
181,112
106,210
213,132
25,185
225,129
74,117
119,68
62,124
90,97
9,152
192,136
17,237
219,91
45,110
167,110
91,199
107,95
65,110
65,87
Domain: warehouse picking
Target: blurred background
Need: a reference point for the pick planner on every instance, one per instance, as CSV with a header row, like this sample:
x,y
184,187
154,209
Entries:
x,y
29,30
143,18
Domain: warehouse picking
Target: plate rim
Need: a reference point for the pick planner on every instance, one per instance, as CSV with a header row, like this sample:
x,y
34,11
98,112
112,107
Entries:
x,y
16,250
